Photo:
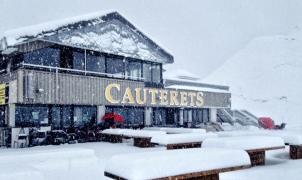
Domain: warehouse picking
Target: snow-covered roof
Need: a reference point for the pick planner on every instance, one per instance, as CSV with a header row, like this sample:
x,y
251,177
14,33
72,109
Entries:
x,y
107,32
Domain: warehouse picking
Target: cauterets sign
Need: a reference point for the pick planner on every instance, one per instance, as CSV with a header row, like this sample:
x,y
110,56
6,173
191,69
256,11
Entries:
x,y
114,94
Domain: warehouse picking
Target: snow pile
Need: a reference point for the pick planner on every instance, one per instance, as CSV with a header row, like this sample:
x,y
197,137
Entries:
x,y
176,130
265,77
19,172
245,143
57,159
151,165
181,138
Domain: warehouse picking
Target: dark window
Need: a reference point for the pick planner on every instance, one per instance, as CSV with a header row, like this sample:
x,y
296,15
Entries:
x,y
147,72
79,60
95,62
115,66
44,57
2,116
84,116
16,61
159,116
3,66
67,116
56,118
134,70
156,73
31,116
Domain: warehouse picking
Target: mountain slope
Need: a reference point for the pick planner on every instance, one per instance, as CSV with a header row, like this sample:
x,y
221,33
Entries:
x,y
266,77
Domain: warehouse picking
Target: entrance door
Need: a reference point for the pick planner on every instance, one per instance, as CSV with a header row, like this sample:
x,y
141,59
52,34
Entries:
x,y
172,116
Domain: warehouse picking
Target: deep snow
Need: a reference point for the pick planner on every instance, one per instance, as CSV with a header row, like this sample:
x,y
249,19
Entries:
x,y
278,166
264,77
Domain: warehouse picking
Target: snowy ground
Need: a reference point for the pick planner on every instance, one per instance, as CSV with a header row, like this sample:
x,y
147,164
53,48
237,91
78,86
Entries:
x,y
279,166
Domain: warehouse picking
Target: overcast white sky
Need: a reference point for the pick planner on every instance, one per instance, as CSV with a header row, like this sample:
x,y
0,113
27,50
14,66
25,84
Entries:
x,y
201,34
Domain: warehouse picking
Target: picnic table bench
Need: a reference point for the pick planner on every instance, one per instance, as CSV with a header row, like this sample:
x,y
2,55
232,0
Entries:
x,y
176,130
200,163
112,135
181,141
141,138
255,146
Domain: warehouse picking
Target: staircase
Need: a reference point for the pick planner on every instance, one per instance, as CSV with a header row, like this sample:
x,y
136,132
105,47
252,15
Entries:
x,y
245,118
225,116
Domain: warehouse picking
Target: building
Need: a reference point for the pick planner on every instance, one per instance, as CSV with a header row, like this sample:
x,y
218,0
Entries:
x,y
69,73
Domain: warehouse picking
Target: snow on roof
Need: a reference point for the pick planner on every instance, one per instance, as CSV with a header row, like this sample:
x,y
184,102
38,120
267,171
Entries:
x,y
107,32
180,74
157,164
181,138
245,142
15,36
196,88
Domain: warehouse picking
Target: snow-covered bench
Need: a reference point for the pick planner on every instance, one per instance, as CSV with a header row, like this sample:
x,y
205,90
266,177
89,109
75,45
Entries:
x,y
255,146
181,141
142,138
294,141
202,163
176,130
112,135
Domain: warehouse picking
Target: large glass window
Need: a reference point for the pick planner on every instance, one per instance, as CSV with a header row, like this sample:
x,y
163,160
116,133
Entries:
x,y
95,62
132,115
84,116
159,116
56,118
156,73
147,72
79,60
115,67
31,116
45,57
134,70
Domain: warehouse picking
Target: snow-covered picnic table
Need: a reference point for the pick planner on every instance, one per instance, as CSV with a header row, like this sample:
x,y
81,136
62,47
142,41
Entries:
x,y
142,138
255,146
176,130
180,141
177,164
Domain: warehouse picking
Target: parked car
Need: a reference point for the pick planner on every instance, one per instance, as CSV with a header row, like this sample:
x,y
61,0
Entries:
x,y
39,138
57,137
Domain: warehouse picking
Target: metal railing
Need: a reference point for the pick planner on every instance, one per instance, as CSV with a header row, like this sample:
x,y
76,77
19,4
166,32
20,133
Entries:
x,y
83,72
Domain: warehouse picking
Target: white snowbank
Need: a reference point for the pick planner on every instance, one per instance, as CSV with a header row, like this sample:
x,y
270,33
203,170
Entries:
x,y
151,165
181,138
246,142
19,172
176,130
60,159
